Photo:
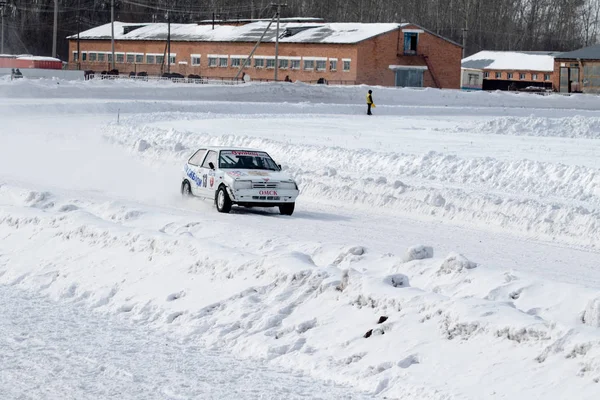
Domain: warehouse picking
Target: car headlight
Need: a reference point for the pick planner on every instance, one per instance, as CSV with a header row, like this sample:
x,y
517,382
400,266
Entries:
x,y
242,185
288,185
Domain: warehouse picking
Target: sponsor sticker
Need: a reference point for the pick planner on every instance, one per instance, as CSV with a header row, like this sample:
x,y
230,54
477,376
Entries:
x,y
212,181
258,173
268,193
192,175
236,173
246,153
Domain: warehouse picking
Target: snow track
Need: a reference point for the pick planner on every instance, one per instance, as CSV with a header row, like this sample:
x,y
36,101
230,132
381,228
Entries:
x,y
427,258
60,351
548,201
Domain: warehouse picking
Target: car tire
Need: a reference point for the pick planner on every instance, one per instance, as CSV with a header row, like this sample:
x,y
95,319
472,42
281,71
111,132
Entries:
x,y
287,209
222,200
186,189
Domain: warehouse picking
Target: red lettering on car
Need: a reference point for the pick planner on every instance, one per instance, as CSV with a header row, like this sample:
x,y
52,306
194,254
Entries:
x,y
268,193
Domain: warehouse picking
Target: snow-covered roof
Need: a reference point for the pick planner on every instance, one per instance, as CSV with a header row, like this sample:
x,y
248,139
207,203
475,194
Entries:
x,y
341,33
37,58
511,60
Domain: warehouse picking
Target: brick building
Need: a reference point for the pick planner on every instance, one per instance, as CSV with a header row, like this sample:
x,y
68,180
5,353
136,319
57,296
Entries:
x,y
578,71
342,53
508,70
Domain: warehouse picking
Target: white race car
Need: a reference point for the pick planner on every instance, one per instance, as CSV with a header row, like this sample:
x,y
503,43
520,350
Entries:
x,y
234,176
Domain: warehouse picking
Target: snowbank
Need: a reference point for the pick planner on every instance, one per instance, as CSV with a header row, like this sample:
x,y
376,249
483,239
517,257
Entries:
x,y
570,127
468,102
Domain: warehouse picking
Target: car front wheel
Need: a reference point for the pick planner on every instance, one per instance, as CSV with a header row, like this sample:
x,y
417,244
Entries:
x,y
223,200
287,209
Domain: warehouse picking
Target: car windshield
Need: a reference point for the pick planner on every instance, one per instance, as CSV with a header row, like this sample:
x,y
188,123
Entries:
x,y
237,159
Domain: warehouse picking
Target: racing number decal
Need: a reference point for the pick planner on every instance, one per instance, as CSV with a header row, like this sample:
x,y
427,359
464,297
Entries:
x,y
205,178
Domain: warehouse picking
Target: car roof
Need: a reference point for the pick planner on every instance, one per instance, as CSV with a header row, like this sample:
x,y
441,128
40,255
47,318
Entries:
x,y
219,148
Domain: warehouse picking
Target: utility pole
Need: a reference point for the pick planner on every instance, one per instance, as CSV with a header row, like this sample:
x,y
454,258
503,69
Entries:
x,y
464,42
78,30
55,30
277,39
168,43
2,4
246,60
465,30
112,32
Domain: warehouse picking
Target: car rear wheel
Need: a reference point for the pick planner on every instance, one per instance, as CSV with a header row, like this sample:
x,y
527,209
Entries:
x,y
223,200
287,209
186,190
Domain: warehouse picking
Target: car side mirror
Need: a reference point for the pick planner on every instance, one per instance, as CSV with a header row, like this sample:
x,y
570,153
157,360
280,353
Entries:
x,y
279,165
211,166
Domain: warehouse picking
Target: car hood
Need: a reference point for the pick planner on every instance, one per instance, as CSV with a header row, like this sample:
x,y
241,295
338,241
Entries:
x,y
257,175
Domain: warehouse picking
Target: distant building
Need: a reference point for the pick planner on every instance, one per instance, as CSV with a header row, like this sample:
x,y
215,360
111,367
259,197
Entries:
x,y
578,71
340,53
507,70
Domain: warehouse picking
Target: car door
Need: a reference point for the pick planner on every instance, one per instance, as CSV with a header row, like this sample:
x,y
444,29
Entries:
x,y
208,175
194,171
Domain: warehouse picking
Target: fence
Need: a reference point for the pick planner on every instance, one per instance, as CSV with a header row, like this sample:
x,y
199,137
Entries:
x,y
202,81
198,81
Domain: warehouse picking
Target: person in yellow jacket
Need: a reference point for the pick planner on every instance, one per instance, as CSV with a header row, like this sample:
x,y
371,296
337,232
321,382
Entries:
x,y
370,102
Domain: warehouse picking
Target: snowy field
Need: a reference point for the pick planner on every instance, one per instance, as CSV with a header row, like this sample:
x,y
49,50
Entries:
x,y
446,248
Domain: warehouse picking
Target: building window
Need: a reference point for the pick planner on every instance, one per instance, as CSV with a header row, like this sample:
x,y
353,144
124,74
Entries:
x,y
120,57
139,58
546,77
212,61
195,60
130,58
486,74
498,75
309,65
150,59
109,57
100,57
321,65
84,57
75,56
283,64
271,63
172,59
346,65
534,77
522,77
160,59
92,57
236,62
333,64
473,80
259,62
509,75
410,43
223,62
295,64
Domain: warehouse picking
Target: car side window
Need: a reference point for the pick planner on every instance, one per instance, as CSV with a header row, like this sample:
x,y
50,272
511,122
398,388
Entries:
x,y
210,158
197,158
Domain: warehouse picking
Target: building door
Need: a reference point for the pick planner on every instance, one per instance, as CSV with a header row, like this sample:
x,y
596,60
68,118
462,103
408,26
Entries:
x,y
409,77
564,80
574,80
